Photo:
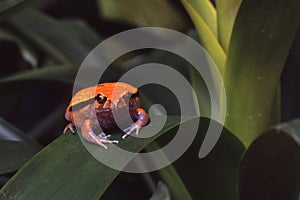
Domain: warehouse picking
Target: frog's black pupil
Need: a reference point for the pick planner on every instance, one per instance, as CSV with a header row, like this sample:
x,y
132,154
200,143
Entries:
x,y
100,98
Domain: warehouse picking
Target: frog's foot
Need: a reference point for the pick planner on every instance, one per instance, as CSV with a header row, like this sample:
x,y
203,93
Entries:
x,y
89,135
143,120
134,127
69,127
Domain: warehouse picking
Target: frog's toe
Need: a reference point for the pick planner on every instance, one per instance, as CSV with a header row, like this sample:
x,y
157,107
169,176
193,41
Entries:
x,y
105,139
104,136
69,127
109,141
134,127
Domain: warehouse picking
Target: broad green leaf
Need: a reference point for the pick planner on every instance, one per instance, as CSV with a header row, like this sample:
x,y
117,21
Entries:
x,y
260,42
14,155
227,11
8,9
270,167
143,13
66,161
61,74
84,34
62,170
207,38
65,170
214,176
55,73
60,40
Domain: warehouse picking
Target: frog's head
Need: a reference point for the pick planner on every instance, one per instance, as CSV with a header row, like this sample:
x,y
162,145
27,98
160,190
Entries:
x,y
105,95
114,95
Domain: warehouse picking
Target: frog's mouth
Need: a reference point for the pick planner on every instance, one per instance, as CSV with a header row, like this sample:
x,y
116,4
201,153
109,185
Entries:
x,y
81,105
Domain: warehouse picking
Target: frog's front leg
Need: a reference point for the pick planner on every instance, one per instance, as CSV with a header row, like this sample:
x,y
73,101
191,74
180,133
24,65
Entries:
x,y
143,119
88,134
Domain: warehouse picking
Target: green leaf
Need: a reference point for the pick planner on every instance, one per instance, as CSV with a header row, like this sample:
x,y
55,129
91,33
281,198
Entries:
x,y
87,37
28,53
59,74
65,170
13,7
143,13
214,176
58,171
208,13
14,155
10,132
276,107
63,74
270,167
203,103
227,11
262,36
202,95
15,146
207,38
62,41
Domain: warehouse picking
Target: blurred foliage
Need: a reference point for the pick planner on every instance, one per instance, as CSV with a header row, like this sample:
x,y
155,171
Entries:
x,y
140,13
42,44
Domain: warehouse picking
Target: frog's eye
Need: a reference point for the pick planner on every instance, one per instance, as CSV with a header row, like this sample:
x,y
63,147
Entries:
x,y
100,98
135,95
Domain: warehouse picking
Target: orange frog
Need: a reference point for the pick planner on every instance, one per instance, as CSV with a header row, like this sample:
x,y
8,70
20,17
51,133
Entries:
x,y
103,105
